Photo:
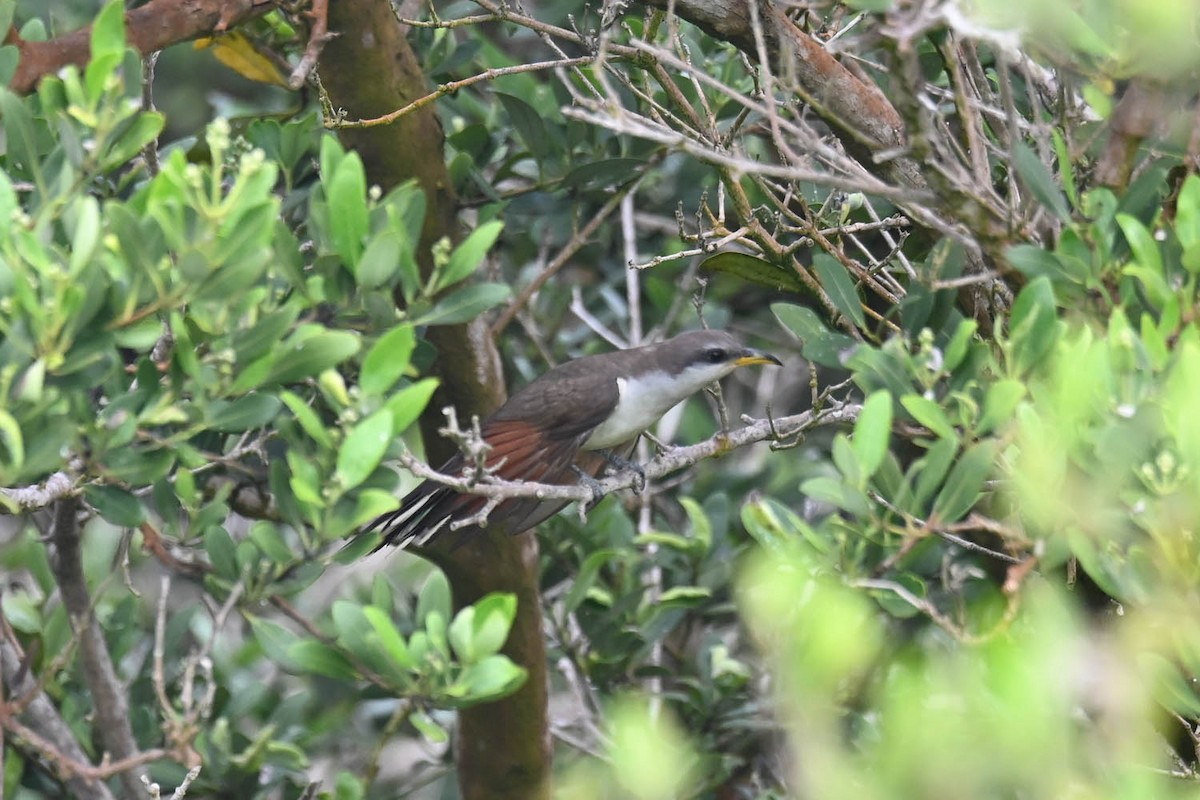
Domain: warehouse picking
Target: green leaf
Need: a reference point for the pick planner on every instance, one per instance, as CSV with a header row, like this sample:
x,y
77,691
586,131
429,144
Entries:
x,y
380,261
12,439
837,493
246,413
22,612
144,129
818,343
530,127
872,432
346,191
928,413
699,523
931,470
308,419
363,449
266,535
588,572
115,505
493,618
310,655
467,257
960,343
465,304
274,639
389,637
108,30
303,357
1000,403
428,728
757,271
434,597
222,553
20,140
407,404
86,234
1036,176
604,172
1032,324
840,287
387,360
492,678
965,482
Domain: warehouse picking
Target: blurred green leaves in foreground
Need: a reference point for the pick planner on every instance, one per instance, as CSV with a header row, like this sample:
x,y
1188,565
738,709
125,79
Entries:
x,y
1010,610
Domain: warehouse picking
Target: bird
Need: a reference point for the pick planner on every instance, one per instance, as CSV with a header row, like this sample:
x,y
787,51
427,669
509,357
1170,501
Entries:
x,y
564,427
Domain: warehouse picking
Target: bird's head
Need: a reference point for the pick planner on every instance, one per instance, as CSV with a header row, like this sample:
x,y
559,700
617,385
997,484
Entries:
x,y
698,358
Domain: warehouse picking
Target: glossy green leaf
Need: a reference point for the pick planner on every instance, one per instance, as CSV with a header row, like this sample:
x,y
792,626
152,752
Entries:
x,y
115,505
467,257
1036,176
493,618
492,678
390,638
274,639
266,535
529,125
221,552
310,655
818,343
965,482
465,304
872,432
363,449
757,271
380,261
308,419
840,287
306,357
387,360
346,192
246,413
144,129
1033,324
407,404
927,412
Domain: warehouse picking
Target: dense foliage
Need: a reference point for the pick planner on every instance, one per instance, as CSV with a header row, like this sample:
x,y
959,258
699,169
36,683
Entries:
x,y
966,565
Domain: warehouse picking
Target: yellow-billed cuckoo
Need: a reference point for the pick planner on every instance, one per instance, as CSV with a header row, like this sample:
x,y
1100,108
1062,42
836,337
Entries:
x,y
566,425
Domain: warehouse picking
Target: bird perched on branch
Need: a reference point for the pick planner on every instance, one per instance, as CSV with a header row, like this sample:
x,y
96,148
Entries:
x,y
564,427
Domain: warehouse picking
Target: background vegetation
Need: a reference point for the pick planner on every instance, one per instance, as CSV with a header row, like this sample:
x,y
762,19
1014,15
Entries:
x,y
949,550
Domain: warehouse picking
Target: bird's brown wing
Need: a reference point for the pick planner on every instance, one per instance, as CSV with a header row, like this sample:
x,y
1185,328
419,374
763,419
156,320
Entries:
x,y
518,453
536,436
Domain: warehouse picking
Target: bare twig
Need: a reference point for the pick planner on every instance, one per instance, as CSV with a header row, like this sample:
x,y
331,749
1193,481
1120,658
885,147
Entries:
x,y
317,38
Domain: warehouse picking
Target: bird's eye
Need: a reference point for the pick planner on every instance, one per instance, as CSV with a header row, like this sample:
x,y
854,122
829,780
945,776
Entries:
x,y
714,355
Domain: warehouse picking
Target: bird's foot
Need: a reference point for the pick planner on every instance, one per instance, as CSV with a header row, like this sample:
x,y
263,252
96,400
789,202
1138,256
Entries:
x,y
591,483
622,463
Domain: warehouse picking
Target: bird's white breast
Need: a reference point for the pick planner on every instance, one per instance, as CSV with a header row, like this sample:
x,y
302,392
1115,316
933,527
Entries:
x,y
641,402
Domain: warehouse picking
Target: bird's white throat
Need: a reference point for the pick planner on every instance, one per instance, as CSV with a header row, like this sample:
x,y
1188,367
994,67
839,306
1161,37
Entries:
x,y
643,400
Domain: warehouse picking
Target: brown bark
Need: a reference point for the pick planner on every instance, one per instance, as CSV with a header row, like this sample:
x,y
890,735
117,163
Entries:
x,y
1142,108
149,28
502,748
110,706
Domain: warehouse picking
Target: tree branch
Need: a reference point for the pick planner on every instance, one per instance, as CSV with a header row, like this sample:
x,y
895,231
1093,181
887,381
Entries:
x,y
42,728
30,498
664,463
108,696
149,28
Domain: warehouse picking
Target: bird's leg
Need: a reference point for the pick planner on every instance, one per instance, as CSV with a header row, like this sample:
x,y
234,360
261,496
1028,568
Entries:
x,y
591,483
622,463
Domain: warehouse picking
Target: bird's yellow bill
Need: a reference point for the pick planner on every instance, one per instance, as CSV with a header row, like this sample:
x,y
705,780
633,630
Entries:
x,y
757,358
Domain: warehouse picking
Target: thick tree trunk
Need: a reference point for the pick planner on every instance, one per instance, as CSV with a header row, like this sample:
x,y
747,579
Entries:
x,y
502,748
